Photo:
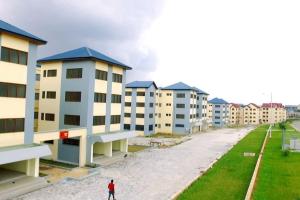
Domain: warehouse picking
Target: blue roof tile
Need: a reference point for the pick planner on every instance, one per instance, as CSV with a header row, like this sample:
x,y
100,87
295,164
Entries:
x,y
141,84
200,91
217,101
178,86
82,53
6,27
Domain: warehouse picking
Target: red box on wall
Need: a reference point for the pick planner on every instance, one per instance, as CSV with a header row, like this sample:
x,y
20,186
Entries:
x,y
63,134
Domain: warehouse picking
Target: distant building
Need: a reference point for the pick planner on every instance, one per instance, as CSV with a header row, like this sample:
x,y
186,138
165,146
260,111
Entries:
x,y
220,112
251,114
235,114
202,108
293,111
273,113
140,107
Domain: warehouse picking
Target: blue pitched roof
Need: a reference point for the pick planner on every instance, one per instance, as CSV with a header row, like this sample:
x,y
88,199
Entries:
x,y
178,86
141,84
82,53
200,91
6,27
217,101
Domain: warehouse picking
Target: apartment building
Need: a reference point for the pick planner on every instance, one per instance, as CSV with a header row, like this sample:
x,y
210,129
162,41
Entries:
x,y
235,114
202,108
209,113
220,112
18,153
176,108
293,111
84,88
140,107
37,96
251,114
273,113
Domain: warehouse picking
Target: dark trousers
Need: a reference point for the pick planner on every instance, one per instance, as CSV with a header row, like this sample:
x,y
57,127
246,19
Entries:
x,y
111,193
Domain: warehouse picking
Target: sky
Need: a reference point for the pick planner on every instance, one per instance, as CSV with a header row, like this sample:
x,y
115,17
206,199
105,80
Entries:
x,y
241,51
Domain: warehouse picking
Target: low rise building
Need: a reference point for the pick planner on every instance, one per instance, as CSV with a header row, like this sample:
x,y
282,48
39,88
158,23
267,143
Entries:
x,y
176,108
202,108
273,113
251,114
220,112
18,153
140,107
235,114
83,88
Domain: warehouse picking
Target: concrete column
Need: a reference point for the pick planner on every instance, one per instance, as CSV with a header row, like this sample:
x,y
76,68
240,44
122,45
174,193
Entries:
x,y
82,151
55,150
108,149
124,145
33,167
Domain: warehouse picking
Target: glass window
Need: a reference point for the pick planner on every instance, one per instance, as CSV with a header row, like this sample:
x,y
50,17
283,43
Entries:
x,y
127,104
72,120
140,94
74,73
49,117
73,96
139,128
52,73
117,78
37,77
14,56
128,93
139,115
115,119
98,120
127,126
101,75
180,95
115,98
51,95
99,97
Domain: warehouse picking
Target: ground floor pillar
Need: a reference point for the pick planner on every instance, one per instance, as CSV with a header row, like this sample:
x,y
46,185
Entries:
x,y
33,167
124,145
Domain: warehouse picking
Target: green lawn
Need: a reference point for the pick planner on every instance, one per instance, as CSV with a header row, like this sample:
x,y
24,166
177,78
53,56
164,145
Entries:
x,y
230,176
279,175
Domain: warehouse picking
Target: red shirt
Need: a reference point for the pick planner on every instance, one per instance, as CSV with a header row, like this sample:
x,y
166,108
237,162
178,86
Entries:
x,y
111,187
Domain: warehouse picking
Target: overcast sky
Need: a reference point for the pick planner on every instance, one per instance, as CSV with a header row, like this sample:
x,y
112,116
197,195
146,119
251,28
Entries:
x,y
237,50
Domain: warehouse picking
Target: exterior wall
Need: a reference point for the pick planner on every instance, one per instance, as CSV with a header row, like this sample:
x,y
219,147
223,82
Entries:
x,y
18,74
251,115
220,115
202,110
50,105
36,101
272,115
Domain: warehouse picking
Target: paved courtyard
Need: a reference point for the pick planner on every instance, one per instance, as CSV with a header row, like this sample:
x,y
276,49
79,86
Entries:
x,y
153,174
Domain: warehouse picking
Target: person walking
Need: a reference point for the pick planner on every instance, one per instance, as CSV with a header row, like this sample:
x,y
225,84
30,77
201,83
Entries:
x,y
111,190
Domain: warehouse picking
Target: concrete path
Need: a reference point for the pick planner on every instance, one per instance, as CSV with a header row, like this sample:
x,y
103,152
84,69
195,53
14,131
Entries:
x,y
151,174
296,125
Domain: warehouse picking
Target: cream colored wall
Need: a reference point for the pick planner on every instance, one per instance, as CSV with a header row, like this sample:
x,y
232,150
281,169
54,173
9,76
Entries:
x,y
50,105
11,139
163,110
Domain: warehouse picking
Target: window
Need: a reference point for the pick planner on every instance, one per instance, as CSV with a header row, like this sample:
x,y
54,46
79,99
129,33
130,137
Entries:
x,y
49,141
139,115
49,117
12,125
12,90
127,115
36,115
42,116
217,111
37,96
98,120
169,94
191,116
151,105
140,94
99,97
127,104
44,73
72,120
180,95
151,94
71,141
167,125
179,116
43,94
115,98
101,75
168,104
73,96
151,115
151,127
218,106
140,104
14,56
179,125
117,78
37,77
128,93
52,73
219,122
139,128
115,119
73,73
180,105
51,95
127,126
168,115
217,117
